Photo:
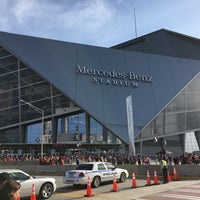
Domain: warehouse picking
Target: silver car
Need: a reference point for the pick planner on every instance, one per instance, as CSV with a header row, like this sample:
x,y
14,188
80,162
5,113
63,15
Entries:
x,y
44,186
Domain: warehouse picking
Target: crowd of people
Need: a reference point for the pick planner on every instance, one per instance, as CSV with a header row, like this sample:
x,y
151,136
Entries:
x,y
115,159
189,159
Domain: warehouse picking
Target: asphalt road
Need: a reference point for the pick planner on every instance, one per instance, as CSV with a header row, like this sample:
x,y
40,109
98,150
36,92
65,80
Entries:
x,y
69,192
170,191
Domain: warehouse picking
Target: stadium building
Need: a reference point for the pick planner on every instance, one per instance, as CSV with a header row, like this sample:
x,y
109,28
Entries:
x,y
56,96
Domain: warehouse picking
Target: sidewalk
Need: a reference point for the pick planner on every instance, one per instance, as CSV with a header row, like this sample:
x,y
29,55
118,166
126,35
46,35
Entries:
x,y
143,190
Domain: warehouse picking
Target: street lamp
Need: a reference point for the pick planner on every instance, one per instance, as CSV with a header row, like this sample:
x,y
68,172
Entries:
x,y
42,113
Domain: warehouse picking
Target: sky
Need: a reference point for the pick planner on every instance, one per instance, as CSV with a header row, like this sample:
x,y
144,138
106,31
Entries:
x,y
102,23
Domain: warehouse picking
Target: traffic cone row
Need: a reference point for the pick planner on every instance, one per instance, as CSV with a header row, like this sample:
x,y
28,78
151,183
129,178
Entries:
x,y
175,177
156,182
89,189
155,178
115,186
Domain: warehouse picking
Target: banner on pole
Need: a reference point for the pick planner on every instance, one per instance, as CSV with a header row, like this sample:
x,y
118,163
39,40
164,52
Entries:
x,y
130,123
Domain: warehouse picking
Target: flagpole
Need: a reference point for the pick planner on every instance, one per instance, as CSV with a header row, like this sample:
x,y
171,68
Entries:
x,y
135,23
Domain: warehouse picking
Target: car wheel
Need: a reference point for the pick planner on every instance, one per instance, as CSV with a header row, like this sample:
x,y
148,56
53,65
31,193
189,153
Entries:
x,y
46,191
122,177
96,181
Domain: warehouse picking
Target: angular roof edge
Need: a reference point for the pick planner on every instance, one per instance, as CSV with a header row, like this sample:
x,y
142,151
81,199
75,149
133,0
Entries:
x,y
140,38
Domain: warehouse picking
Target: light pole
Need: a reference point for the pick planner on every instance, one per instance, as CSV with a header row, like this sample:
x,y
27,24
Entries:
x,y
42,113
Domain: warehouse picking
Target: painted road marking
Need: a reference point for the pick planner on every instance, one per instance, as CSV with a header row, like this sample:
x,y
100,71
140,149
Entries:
x,y
185,193
188,190
177,196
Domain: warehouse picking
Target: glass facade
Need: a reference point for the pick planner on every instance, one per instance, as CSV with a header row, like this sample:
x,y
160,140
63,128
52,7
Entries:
x,y
180,116
191,144
23,93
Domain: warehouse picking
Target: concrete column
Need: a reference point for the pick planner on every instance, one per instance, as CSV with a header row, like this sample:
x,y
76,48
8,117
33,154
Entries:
x,y
22,134
54,129
87,122
105,135
63,125
197,136
182,141
141,148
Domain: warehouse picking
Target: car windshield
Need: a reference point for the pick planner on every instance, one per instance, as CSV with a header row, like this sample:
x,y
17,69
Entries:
x,y
19,176
109,166
85,167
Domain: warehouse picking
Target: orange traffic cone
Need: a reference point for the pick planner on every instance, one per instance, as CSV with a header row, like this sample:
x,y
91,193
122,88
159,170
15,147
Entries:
x,y
115,186
148,178
168,176
175,178
134,184
33,195
155,178
89,189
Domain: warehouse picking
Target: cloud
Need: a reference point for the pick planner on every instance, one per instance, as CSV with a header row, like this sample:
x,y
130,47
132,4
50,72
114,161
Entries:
x,y
97,22
79,19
